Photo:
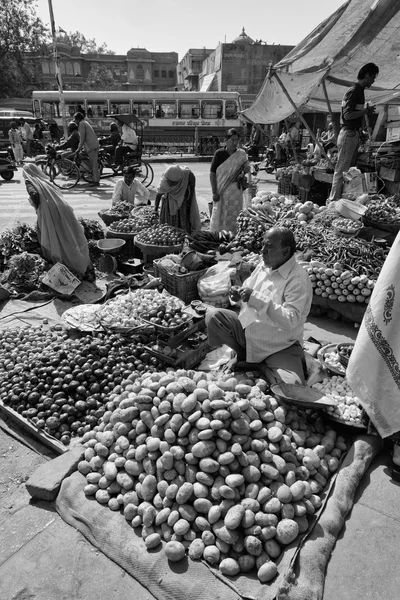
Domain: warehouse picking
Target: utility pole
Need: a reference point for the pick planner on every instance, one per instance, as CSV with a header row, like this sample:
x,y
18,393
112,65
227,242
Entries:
x,y
57,68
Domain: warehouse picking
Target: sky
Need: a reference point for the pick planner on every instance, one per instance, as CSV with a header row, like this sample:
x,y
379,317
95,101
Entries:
x,y
177,25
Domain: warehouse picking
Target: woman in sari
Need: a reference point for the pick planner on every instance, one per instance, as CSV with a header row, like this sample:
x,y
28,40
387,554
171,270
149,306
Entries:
x,y
227,177
374,366
177,195
60,234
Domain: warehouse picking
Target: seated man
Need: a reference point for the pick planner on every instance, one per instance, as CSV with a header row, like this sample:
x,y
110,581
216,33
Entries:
x,y
276,299
110,142
128,143
72,143
129,189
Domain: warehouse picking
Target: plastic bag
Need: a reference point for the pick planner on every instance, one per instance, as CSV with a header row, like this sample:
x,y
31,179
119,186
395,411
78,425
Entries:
x,y
216,281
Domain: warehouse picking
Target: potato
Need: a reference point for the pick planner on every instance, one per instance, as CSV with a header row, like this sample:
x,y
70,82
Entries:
x,y
196,549
234,516
174,551
287,531
229,567
246,563
267,571
152,541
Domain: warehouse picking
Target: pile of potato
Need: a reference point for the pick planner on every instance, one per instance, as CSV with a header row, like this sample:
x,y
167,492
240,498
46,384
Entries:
x,y
215,467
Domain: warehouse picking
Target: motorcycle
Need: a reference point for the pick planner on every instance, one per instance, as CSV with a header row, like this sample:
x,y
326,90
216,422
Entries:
x,y
7,165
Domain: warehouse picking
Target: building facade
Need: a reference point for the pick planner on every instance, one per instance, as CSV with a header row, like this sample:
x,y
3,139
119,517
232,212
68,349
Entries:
x,y
240,66
139,69
190,68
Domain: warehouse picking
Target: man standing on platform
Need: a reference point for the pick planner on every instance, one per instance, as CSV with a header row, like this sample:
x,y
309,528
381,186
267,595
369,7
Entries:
x,y
352,116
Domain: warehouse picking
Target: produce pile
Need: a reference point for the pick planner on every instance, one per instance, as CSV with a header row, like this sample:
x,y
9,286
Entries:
x,y
127,310
121,209
22,238
92,229
346,225
210,241
162,235
166,313
348,405
384,210
340,284
215,467
24,272
138,222
61,384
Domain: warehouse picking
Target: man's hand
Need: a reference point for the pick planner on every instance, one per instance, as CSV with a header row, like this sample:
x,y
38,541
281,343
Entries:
x,y
235,293
245,294
215,197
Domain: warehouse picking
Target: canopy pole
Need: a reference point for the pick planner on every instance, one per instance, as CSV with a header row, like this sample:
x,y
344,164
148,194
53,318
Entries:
x,y
302,119
57,69
328,103
296,158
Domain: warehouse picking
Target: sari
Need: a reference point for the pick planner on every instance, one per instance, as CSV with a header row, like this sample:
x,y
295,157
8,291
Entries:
x,y
179,206
227,209
374,366
61,236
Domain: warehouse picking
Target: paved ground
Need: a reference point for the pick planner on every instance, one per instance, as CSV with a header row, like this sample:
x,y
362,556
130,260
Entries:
x,y
42,558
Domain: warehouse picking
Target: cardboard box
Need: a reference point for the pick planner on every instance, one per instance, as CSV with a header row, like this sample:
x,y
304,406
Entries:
x,y
60,279
389,174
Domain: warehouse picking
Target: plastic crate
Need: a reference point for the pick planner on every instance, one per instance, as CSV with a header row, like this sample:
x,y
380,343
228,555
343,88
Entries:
x,y
184,285
286,187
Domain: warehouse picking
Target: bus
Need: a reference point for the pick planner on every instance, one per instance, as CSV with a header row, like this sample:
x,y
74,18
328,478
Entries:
x,y
176,121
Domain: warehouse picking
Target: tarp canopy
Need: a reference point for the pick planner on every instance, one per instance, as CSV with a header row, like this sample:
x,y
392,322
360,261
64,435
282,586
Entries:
x,y
360,31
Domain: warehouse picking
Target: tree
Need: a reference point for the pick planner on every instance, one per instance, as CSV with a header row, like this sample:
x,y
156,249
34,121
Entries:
x,y
76,38
100,77
22,34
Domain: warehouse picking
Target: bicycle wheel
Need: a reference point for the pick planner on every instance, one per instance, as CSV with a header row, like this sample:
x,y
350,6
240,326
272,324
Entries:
x,y
65,174
147,173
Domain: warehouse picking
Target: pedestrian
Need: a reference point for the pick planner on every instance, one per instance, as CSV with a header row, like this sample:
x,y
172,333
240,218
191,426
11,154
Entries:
x,y
373,370
54,132
256,142
38,134
129,189
27,136
267,334
14,135
177,195
89,141
227,177
352,118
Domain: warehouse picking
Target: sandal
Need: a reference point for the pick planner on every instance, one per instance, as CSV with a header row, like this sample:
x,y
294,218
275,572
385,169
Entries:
x,y
394,468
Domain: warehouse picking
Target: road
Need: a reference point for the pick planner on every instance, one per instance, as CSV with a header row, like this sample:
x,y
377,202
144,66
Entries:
x,y
87,201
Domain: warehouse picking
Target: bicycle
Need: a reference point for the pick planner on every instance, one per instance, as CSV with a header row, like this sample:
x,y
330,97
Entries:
x,y
145,173
63,172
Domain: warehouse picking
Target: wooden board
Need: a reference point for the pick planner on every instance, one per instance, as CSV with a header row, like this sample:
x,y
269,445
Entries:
x,y
46,439
352,311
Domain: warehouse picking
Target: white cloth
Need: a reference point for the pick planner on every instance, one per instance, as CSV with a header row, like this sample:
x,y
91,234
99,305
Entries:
x,y
128,193
282,300
26,132
374,365
128,136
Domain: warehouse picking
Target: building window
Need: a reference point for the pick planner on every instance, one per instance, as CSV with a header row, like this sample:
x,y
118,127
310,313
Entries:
x,y
163,73
45,67
139,72
170,74
156,73
70,70
77,68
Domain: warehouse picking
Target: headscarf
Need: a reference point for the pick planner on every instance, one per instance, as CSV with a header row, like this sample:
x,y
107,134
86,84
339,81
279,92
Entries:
x,y
62,237
174,183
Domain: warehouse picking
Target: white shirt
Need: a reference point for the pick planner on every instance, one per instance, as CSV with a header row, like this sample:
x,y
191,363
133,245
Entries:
x,y
128,136
125,193
277,309
26,132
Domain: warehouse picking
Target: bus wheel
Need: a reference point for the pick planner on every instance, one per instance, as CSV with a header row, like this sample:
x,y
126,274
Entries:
x,y
7,175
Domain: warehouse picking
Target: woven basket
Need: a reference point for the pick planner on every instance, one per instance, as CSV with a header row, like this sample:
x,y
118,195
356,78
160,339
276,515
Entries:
x,y
158,251
390,227
286,187
184,285
119,234
108,219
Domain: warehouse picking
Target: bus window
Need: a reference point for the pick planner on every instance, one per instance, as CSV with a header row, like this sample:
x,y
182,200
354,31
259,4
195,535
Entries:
x,y
36,109
50,110
72,107
143,110
230,109
165,110
188,110
98,110
211,109
120,108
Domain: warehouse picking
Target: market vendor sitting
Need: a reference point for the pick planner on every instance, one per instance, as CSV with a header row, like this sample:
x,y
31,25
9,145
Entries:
x,y
267,334
129,189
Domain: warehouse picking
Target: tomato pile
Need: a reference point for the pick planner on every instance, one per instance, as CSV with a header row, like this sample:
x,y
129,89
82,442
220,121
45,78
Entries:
x,y
167,316
162,235
124,226
61,384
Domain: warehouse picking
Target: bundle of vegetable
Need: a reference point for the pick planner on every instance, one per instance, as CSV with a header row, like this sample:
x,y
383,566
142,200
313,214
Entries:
x,y
162,235
205,241
385,210
125,310
21,238
61,384
340,284
215,466
25,271
92,229
348,405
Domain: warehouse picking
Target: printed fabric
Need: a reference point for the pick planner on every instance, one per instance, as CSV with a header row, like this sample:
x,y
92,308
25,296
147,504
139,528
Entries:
x,y
227,209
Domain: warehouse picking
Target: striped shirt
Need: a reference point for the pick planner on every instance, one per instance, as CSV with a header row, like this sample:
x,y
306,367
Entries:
x,y
279,304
